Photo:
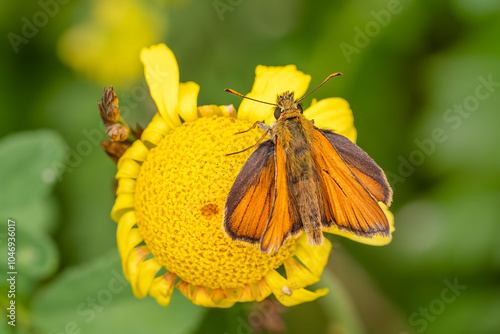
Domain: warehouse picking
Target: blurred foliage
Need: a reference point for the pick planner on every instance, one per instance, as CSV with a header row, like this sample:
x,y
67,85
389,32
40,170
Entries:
x,y
423,80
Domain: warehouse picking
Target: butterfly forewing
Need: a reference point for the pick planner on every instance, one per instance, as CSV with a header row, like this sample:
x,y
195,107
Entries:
x,y
360,163
250,200
283,219
348,204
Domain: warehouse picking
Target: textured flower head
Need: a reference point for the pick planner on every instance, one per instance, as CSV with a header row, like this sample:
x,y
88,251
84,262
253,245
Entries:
x,y
173,183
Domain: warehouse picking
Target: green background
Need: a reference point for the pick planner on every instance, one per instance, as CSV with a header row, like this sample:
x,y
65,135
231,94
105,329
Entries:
x,y
409,68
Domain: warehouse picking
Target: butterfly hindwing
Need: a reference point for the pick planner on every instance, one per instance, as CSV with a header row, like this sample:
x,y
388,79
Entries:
x,y
348,202
250,200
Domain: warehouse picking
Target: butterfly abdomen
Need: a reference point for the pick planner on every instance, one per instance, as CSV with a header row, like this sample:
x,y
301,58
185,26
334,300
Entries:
x,y
302,177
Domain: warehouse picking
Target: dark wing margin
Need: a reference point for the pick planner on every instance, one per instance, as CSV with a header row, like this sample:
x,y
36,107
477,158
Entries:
x,y
250,201
364,167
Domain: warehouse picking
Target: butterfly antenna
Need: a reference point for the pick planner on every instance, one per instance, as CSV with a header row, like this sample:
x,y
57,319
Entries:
x,y
246,97
321,84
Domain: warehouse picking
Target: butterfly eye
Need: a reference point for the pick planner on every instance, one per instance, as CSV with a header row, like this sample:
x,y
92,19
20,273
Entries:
x,y
299,108
277,112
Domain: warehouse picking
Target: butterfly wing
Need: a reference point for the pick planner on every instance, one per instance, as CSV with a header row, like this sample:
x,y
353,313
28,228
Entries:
x,y
360,163
250,200
285,219
352,184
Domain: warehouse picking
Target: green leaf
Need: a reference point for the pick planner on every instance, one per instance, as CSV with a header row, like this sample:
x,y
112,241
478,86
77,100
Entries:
x,y
27,177
40,215
27,170
95,298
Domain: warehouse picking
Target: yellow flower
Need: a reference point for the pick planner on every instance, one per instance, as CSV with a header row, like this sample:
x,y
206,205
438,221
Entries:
x,y
104,46
173,183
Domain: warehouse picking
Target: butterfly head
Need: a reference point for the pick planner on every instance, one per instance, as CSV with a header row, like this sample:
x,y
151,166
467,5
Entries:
x,y
285,102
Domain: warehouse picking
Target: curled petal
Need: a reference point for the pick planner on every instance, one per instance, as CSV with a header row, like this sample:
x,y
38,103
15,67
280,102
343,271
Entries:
x,y
132,261
162,288
138,152
202,297
123,204
155,131
128,169
125,225
186,289
220,299
146,272
126,186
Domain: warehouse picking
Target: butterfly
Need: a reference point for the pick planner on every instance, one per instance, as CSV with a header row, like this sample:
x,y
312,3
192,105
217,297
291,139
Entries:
x,y
304,179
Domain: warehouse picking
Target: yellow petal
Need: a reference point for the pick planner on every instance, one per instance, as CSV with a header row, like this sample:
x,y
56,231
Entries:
x,y
128,168
210,110
202,297
162,74
263,290
125,225
334,114
220,299
247,295
134,258
376,240
286,295
138,152
298,275
126,186
233,294
188,99
146,272
314,258
300,296
227,110
186,289
123,203
269,82
156,130
127,246
162,288
389,215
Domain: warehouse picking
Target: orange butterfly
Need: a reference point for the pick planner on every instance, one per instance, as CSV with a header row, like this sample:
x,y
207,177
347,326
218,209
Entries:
x,y
304,179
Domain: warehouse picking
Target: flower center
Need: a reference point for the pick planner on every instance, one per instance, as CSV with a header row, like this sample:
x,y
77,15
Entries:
x,y
179,200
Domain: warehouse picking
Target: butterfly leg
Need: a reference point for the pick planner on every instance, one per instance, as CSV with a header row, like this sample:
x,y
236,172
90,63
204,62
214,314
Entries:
x,y
258,141
262,125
